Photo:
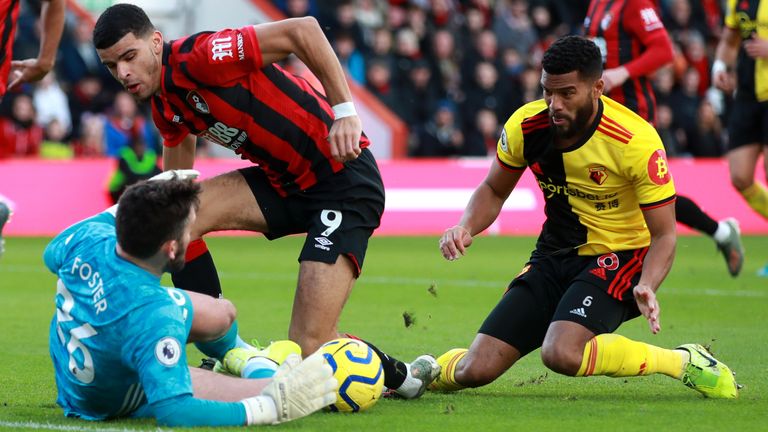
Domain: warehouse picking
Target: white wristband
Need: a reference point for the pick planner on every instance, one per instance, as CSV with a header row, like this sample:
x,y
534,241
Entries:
x,y
259,410
344,109
718,66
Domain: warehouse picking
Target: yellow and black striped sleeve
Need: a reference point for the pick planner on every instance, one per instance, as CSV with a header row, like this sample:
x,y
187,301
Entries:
x,y
509,149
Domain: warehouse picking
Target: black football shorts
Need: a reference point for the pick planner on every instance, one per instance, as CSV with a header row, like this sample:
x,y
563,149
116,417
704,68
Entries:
x,y
338,214
594,291
748,123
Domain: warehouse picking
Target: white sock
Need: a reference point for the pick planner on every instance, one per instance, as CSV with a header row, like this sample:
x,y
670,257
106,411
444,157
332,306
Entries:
x,y
259,410
411,386
722,233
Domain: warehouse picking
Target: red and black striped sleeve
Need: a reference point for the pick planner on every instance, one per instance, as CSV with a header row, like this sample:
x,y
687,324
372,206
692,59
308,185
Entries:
x,y
217,58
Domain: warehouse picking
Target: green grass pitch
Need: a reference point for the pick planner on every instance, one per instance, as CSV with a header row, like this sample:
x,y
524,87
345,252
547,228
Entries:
x,y
448,300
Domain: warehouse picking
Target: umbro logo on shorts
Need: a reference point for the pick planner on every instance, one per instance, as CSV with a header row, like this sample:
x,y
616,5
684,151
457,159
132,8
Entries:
x,y
323,243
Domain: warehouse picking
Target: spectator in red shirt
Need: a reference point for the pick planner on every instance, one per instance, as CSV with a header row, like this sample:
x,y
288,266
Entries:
x,y
20,135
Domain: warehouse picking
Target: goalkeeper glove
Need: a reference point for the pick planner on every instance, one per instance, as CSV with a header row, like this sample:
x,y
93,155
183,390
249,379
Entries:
x,y
298,389
178,174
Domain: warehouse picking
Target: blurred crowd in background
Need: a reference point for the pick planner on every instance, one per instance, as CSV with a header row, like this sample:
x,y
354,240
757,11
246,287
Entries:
x,y
452,70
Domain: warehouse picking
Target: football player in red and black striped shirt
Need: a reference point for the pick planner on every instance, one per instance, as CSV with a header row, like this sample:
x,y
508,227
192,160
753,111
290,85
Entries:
x,y
634,44
312,173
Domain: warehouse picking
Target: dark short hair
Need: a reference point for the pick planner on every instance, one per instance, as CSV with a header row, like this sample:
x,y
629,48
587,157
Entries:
x,y
573,53
153,212
119,20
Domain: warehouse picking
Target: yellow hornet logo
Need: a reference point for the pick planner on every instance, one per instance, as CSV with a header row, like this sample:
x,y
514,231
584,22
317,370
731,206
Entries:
x,y
658,169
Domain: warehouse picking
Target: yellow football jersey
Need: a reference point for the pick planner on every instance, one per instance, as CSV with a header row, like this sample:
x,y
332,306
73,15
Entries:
x,y
594,190
750,17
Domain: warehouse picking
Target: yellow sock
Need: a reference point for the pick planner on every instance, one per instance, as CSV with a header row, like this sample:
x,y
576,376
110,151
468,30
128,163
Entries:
x,y
616,356
448,362
757,198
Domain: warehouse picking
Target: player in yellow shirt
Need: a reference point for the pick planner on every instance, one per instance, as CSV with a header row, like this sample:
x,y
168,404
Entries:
x,y
606,246
744,43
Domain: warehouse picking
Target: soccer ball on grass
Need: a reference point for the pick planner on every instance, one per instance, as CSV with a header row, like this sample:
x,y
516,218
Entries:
x,y
359,373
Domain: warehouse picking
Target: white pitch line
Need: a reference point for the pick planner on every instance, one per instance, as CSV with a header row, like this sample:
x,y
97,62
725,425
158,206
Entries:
x,y
388,280
58,427
474,283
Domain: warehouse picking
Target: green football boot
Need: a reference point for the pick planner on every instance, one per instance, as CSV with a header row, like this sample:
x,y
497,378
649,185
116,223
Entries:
x,y
237,359
707,375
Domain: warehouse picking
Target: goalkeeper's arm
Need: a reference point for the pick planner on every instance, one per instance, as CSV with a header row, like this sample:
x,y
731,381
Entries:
x,y
297,390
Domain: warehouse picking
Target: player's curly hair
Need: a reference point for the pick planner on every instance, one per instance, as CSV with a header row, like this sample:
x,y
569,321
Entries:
x,y
152,212
573,53
119,20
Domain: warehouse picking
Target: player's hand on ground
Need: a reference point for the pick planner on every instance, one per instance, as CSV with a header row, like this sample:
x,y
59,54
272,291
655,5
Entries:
x,y
648,305
756,47
344,138
29,70
454,242
302,387
178,174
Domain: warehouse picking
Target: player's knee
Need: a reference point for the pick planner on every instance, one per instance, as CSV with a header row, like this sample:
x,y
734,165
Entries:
x,y
223,317
741,181
475,374
229,312
561,359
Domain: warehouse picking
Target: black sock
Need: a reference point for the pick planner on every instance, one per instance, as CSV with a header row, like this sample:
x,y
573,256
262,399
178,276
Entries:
x,y
199,273
395,371
690,214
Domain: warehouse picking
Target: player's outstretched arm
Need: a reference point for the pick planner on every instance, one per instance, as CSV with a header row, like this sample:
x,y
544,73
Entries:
x,y
304,38
483,208
29,70
297,390
662,226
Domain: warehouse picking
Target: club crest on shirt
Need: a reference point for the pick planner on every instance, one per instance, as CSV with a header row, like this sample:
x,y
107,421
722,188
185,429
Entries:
x,y
168,351
598,174
197,102
658,168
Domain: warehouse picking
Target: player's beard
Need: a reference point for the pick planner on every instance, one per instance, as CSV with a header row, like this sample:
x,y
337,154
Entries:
x,y
177,263
174,265
577,125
